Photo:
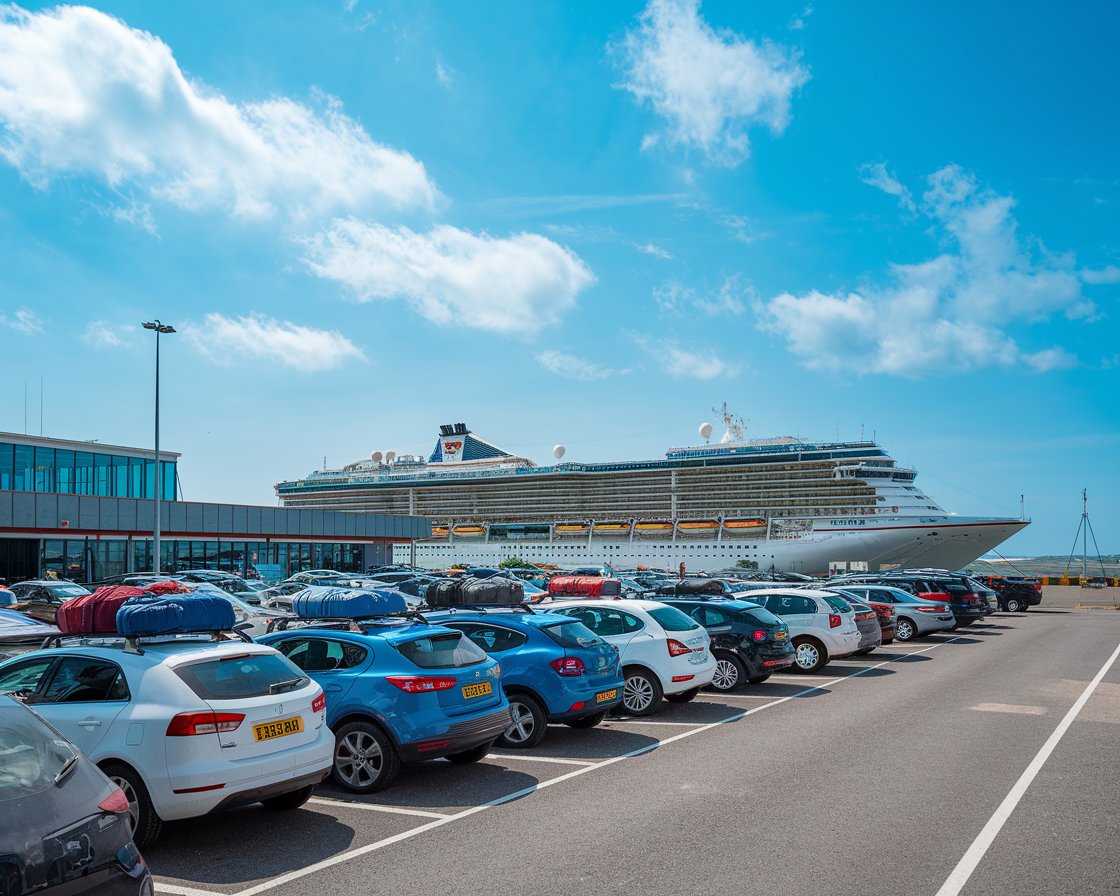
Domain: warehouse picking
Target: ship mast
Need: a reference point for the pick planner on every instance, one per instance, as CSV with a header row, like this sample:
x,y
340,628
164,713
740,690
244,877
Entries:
x,y
734,425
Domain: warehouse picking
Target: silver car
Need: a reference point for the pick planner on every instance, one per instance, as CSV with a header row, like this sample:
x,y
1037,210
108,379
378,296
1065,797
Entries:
x,y
916,615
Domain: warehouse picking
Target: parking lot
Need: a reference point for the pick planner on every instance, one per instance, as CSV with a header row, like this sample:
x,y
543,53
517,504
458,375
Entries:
x,y
877,776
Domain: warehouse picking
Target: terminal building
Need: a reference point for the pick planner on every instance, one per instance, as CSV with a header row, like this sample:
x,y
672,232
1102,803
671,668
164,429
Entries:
x,y
86,510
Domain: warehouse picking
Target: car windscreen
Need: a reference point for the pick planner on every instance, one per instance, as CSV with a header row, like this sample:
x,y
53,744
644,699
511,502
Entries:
x,y
571,634
242,675
31,754
672,620
760,615
66,591
449,651
838,604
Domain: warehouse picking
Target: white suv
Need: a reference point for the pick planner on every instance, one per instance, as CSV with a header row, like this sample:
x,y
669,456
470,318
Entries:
x,y
664,652
184,726
822,625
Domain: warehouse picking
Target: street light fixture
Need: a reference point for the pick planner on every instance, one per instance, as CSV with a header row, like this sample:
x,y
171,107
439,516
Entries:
x,y
165,329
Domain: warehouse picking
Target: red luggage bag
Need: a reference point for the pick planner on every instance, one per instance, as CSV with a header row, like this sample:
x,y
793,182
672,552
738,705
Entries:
x,y
94,614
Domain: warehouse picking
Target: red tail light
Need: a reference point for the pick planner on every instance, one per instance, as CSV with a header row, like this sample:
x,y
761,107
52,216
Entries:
x,y
116,802
319,703
937,608
676,648
568,665
883,611
188,724
421,684
759,635
683,677
834,621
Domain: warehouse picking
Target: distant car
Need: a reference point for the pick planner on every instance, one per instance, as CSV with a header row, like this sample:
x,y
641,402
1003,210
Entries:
x,y
553,668
916,616
822,626
21,634
229,583
398,690
748,641
72,837
665,654
279,597
41,598
953,589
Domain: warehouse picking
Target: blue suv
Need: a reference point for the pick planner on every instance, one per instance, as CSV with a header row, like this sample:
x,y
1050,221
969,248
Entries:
x,y
398,690
554,669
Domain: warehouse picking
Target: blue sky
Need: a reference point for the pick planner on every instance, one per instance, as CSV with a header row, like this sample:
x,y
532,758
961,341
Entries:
x,y
581,223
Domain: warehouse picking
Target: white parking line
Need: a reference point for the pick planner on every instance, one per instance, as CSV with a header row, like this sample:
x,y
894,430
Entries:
x,y
655,722
960,875
376,807
542,759
717,697
176,890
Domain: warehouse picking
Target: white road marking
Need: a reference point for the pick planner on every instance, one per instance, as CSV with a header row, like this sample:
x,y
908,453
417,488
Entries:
x,y
960,875
542,759
654,722
176,890
717,697
1010,707
376,807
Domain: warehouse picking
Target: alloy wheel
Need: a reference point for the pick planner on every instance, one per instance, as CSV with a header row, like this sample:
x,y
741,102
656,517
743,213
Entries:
x,y
358,759
905,630
521,726
807,655
133,802
637,695
726,677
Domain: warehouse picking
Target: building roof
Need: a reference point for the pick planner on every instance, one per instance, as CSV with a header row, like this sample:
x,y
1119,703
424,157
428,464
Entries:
x,y
88,445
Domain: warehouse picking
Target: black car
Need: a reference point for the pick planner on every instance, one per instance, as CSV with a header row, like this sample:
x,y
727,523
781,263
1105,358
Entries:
x,y
72,835
748,641
41,598
956,591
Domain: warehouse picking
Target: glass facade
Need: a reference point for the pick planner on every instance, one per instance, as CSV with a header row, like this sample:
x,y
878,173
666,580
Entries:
x,y
27,468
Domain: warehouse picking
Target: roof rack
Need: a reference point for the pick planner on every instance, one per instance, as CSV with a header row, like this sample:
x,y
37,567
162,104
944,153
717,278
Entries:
x,y
132,643
477,608
344,623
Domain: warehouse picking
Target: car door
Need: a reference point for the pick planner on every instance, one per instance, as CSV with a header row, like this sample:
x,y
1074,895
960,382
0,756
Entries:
x,y
613,626
799,613
24,677
82,696
335,665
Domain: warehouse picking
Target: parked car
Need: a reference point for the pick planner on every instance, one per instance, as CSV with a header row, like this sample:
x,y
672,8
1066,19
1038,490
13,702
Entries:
x,y
228,582
867,621
184,726
279,597
554,669
21,634
955,590
748,641
665,654
41,598
398,690
72,835
916,616
822,626
1015,594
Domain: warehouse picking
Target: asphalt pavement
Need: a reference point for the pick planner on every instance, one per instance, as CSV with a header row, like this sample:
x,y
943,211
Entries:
x,y
948,765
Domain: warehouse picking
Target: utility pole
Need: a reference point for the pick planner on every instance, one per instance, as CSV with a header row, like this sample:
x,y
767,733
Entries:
x,y
159,328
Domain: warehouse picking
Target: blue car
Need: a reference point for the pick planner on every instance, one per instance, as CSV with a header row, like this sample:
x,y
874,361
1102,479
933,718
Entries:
x,y
554,669
398,690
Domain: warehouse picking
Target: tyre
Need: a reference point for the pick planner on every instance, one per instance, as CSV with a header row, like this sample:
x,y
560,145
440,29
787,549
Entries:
x,y
528,722
587,721
365,760
293,799
1014,605
684,696
472,755
730,673
865,651
142,818
758,679
906,630
641,693
809,655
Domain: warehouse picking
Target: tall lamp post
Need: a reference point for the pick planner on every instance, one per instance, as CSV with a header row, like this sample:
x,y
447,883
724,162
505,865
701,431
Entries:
x,y
165,329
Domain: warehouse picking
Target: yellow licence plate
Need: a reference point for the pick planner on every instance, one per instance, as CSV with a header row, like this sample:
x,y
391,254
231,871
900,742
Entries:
x,y
279,728
778,636
604,696
477,690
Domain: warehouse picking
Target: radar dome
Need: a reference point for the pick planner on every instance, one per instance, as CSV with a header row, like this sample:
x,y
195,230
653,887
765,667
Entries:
x,y
390,456
705,430
558,451
376,457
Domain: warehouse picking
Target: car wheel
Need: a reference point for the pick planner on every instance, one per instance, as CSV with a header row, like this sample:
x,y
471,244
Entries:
x,y
865,651
905,630
730,673
472,755
587,721
684,696
528,723
143,821
293,799
365,759
641,694
1014,605
809,655
758,679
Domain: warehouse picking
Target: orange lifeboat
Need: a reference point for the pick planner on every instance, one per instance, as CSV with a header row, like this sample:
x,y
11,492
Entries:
x,y
571,528
697,525
739,525
611,528
653,527
439,531
468,530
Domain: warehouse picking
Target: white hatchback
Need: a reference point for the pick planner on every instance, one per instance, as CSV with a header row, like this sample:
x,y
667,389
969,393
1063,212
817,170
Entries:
x,y
665,654
184,726
822,626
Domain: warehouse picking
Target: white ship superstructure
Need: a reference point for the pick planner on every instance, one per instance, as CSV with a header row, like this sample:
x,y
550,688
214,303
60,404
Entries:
x,y
782,503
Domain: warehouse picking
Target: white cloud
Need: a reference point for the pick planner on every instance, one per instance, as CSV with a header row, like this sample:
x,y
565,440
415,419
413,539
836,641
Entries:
x,y
574,368
444,74
709,86
83,94
676,298
798,24
516,284
1108,274
24,321
654,250
699,363
254,337
878,176
948,313
101,334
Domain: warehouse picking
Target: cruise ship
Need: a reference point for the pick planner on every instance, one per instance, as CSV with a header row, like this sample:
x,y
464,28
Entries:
x,y
780,504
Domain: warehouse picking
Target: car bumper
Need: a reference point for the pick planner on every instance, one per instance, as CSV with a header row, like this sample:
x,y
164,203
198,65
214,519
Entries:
x,y
592,705
765,661
459,737
692,675
114,881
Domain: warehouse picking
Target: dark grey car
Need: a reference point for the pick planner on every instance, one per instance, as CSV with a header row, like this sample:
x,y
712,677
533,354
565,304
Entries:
x,y
871,633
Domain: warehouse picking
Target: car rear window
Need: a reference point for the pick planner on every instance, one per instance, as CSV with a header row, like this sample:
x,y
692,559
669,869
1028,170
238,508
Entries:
x,y
450,651
242,675
761,615
839,605
672,620
571,634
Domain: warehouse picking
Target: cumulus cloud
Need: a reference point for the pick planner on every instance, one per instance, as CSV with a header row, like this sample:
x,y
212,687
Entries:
x,y
255,337
877,175
709,86
1107,274
444,74
948,313
101,334
82,94
515,284
654,250
23,320
574,368
676,298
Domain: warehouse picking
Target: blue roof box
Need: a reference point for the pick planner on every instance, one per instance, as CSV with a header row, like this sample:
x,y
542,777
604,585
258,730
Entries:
x,y
174,614
347,603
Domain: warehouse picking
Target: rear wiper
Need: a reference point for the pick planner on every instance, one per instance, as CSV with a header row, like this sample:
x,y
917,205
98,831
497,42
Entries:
x,y
67,767
284,685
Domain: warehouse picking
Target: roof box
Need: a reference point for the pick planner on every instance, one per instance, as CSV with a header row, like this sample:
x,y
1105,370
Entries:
x,y
347,603
584,586
174,615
